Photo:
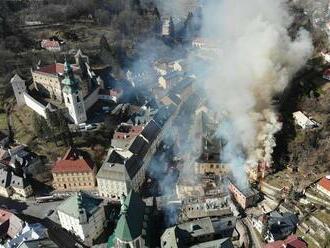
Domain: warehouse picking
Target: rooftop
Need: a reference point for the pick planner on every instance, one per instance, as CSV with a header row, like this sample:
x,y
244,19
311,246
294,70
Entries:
x,y
120,165
325,183
38,243
246,191
218,243
80,200
151,131
55,69
130,223
73,161
291,242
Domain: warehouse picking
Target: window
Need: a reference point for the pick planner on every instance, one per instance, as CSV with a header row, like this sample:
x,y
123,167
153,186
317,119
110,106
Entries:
x,y
78,99
68,99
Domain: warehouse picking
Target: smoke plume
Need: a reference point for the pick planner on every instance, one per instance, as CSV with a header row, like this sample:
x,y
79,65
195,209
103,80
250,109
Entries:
x,y
257,60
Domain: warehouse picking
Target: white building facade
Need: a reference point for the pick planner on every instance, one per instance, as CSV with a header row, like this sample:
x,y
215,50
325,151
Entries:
x,y
82,215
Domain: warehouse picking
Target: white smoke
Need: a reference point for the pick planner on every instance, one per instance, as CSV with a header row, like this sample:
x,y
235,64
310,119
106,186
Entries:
x,y
258,58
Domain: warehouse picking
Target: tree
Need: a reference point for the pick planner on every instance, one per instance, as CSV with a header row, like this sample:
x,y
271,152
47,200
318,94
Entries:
x,y
59,127
102,16
40,126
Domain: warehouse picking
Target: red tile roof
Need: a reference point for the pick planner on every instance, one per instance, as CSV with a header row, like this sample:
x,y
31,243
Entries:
x,y
72,162
10,223
50,44
291,242
325,183
55,69
294,242
326,72
4,215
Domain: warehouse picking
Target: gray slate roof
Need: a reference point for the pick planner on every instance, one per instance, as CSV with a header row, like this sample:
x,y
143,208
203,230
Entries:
x,y
151,131
80,200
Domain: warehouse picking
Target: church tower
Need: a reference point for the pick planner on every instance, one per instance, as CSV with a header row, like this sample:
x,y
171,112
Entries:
x,y
72,96
19,89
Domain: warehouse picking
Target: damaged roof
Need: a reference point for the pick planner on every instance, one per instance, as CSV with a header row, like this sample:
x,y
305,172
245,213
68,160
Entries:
x,y
163,114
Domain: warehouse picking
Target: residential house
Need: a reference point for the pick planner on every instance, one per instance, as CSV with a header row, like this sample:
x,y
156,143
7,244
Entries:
x,y
280,225
218,243
292,241
170,79
10,224
201,207
74,172
5,183
211,167
205,44
167,26
25,162
124,169
83,215
324,185
134,228
51,45
38,243
245,197
188,188
21,187
200,231
125,134
303,121
29,232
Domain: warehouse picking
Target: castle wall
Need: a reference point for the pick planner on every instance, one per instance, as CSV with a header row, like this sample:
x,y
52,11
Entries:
x,y
35,105
92,98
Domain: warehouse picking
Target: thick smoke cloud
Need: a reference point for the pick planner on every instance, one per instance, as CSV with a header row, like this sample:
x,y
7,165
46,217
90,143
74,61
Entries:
x,y
257,60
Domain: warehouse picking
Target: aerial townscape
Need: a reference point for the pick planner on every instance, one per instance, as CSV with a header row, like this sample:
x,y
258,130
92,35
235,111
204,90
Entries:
x,y
165,124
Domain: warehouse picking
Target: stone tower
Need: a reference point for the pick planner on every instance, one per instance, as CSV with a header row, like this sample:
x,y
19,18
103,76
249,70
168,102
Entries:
x,y
72,96
19,88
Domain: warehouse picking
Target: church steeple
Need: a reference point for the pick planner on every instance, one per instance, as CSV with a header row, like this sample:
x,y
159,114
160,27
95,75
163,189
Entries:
x,y
72,95
71,84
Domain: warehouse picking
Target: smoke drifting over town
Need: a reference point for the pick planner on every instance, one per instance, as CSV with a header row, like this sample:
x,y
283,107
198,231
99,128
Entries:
x,y
257,59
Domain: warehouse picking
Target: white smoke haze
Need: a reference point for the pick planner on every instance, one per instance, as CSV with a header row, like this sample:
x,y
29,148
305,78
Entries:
x,y
257,60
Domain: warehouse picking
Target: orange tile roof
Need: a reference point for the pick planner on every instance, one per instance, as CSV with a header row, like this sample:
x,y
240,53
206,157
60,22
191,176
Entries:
x,y
55,69
4,215
291,242
325,183
72,162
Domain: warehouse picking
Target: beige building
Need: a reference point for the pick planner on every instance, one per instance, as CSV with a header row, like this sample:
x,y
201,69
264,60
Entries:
x,y
47,80
207,167
74,172
83,215
14,186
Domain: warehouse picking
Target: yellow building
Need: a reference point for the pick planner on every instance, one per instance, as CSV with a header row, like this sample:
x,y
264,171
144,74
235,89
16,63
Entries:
x,y
207,167
74,172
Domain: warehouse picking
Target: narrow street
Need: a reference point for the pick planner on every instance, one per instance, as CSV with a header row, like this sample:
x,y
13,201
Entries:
x,y
256,242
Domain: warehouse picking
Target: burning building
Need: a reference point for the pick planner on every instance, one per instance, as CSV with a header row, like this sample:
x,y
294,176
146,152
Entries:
x,y
201,207
245,197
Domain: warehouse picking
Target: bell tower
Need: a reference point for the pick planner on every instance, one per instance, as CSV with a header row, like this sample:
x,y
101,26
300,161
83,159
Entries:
x,y
72,96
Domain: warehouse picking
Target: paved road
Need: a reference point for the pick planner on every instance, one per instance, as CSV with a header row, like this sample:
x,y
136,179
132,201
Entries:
x,y
256,242
29,207
244,233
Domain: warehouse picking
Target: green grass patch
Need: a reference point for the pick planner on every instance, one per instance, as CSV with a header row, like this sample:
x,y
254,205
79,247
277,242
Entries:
x,y
3,121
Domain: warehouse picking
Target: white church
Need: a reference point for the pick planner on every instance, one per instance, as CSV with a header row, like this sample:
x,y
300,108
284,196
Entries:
x,y
71,88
